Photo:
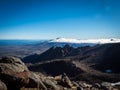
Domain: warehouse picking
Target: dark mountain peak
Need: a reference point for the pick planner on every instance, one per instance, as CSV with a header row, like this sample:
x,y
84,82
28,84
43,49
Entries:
x,y
54,48
58,48
53,53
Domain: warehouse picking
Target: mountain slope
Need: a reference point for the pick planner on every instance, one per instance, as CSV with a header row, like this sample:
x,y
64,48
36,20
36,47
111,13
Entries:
x,y
54,53
103,57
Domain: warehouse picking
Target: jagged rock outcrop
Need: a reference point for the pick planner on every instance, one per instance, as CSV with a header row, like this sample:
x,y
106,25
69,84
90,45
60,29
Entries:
x,y
16,75
50,84
65,81
13,72
35,81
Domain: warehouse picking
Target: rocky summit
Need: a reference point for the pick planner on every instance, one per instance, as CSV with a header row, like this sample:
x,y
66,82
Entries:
x,y
15,75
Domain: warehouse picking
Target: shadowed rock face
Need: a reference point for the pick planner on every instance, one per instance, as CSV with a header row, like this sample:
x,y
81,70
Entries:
x,y
13,72
16,75
104,57
57,67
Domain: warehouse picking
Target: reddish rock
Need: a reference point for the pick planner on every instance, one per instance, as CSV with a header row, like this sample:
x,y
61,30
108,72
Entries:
x,y
13,73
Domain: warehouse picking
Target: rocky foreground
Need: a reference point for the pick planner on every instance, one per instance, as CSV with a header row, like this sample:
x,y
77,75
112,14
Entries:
x,y
14,75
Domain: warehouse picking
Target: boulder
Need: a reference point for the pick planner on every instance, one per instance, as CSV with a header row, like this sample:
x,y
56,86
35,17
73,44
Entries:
x,y
35,81
65,81
2,86
97,85
50,84
58,78
106,86
13,72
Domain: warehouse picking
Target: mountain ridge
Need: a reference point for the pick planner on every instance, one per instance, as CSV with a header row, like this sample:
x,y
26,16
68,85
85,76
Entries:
x,y
93,56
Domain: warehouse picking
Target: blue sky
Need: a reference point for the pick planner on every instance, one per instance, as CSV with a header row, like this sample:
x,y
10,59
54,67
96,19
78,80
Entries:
x,y
46,19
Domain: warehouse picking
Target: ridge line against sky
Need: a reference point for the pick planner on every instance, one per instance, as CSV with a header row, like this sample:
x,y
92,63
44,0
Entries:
x,y
47,19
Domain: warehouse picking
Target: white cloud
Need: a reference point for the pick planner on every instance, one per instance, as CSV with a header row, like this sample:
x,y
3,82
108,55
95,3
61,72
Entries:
x,y
98,41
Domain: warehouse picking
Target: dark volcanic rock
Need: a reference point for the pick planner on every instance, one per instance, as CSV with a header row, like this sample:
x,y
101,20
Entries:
x,y
107,58
13,73
111,59
57,67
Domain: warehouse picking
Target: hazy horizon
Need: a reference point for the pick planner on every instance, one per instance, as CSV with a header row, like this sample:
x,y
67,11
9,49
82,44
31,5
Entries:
x,y
47,39
49,19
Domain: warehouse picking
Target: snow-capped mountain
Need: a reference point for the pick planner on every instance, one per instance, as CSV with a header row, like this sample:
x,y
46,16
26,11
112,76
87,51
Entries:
x,y
94,41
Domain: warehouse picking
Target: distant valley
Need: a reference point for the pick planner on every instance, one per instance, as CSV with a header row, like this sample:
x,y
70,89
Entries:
x,y
23,48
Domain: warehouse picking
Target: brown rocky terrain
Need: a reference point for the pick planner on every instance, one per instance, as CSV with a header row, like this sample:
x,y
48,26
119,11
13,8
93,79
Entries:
x,y
64,68
15,75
